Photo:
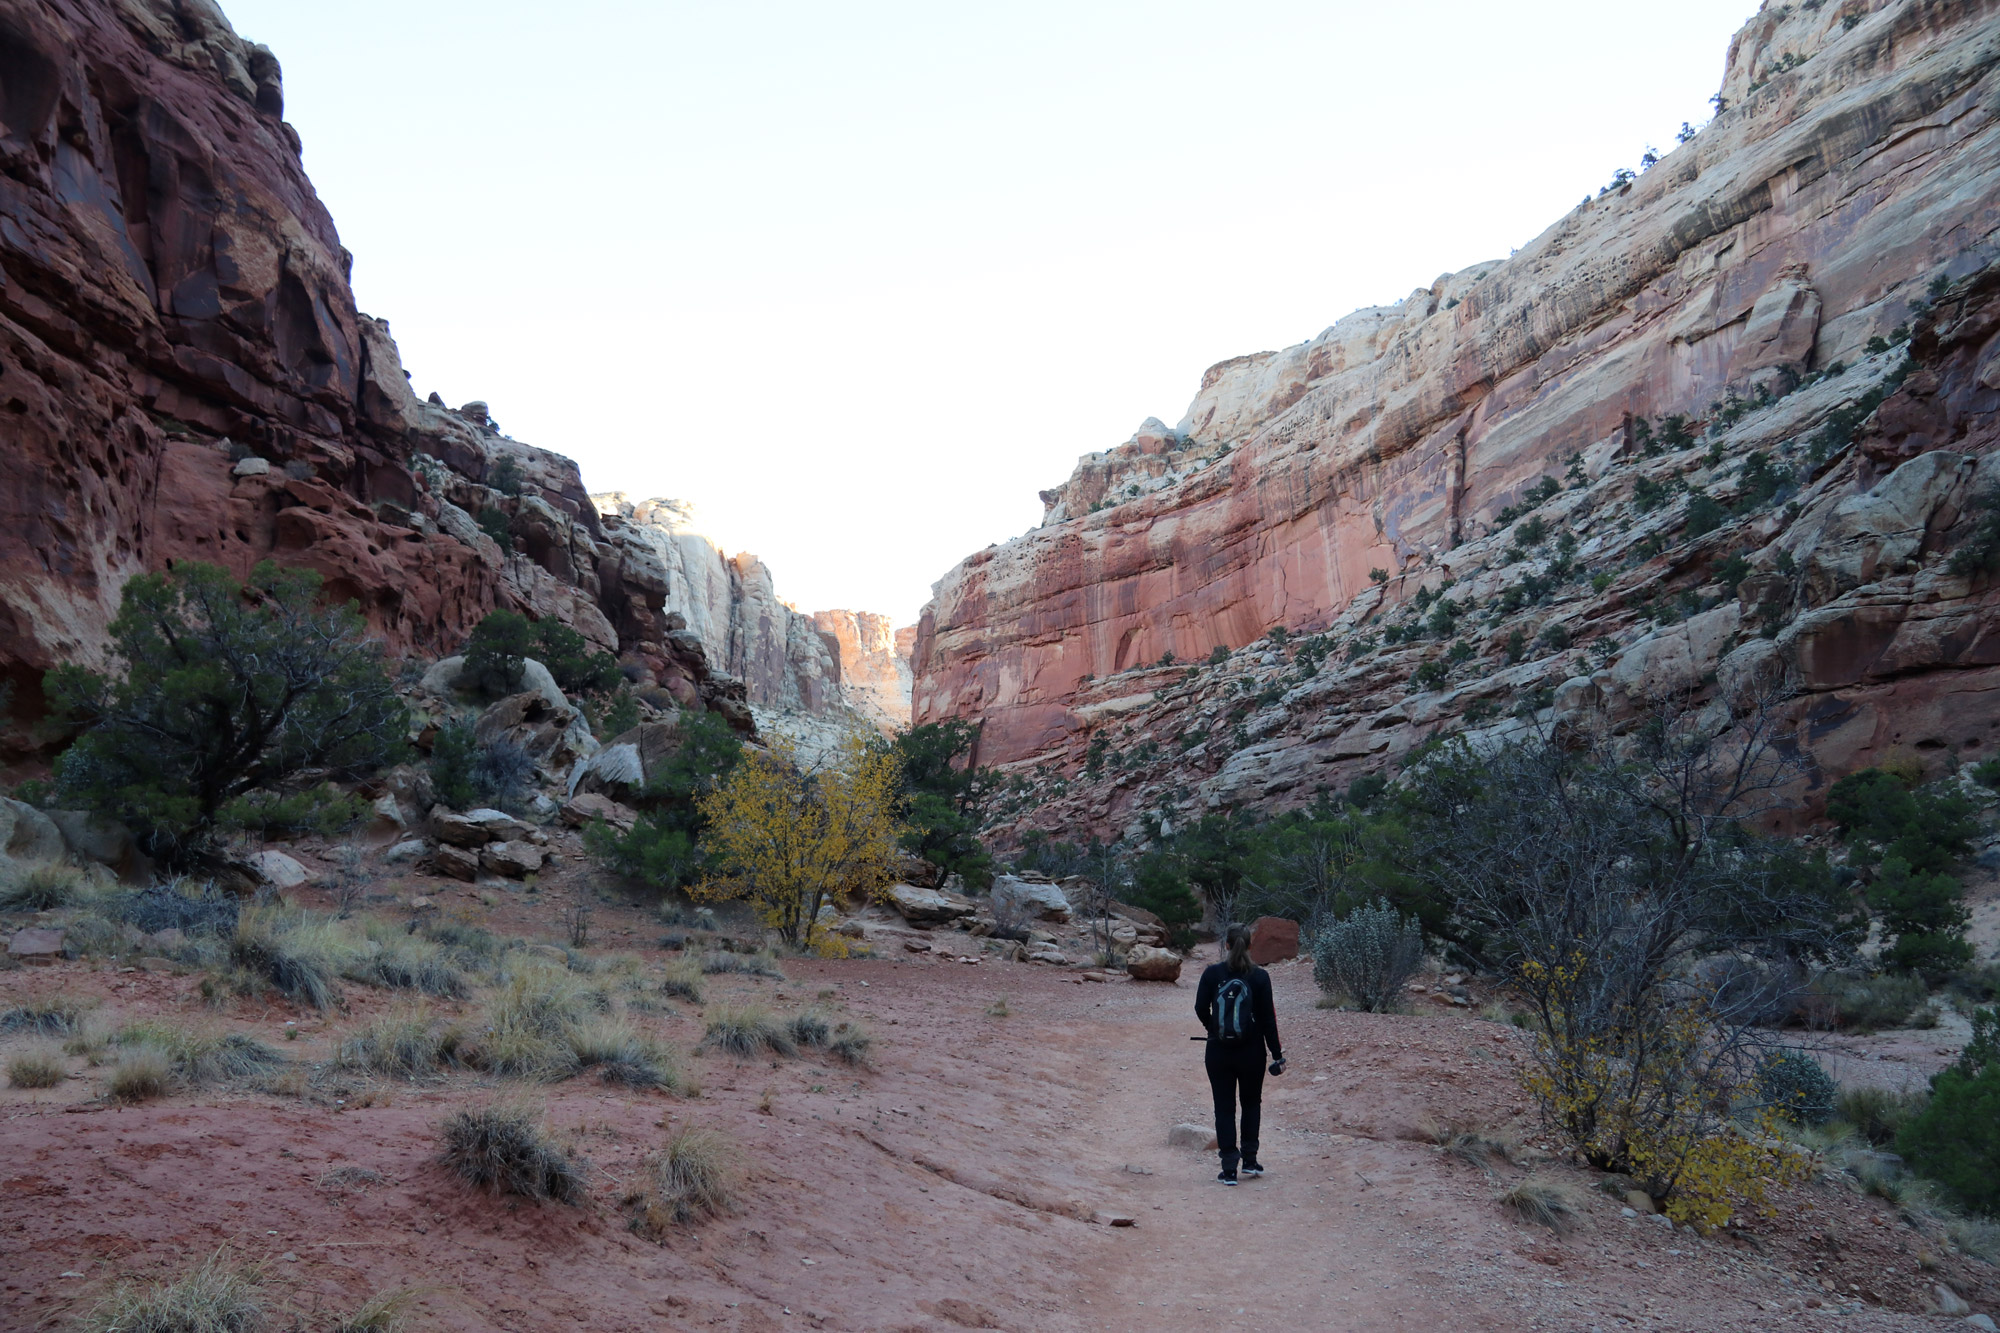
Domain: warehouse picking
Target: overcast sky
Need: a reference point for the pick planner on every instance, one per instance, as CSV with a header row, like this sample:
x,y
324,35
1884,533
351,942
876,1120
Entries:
x,y
859,279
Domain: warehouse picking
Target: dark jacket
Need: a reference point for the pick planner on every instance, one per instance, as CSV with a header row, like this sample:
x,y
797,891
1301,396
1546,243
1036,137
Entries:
x,y
1262,1009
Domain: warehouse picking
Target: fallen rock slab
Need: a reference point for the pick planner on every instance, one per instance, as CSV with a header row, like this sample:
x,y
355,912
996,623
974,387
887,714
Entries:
x,y
454,863
36,944
1273,939
277,870
590,806
515,860
927,906
1028,900
1146,963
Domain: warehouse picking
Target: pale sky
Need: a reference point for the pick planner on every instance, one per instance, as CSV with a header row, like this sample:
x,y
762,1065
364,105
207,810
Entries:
x,y
859,279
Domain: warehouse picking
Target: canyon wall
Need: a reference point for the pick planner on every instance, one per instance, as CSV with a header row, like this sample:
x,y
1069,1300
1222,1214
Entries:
x,y
874,664
184,375
1853,174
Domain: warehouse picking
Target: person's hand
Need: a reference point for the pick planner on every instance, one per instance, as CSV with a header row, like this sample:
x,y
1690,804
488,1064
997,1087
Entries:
x,y
1278,1065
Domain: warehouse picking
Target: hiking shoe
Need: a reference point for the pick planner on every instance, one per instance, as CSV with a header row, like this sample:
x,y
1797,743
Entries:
x,y
1228,1176
1253,1169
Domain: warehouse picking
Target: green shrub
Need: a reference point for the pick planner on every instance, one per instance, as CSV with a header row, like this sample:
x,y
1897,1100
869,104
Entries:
x,y
621,716
1160,885
1924,917
1956,1139
568,657
1794,1085
1704,514
505,1149
1881,814
1979,552
1368,955
466,774
1877,1114
495,653
663,846
325,810
493,522
1870,1004
218,690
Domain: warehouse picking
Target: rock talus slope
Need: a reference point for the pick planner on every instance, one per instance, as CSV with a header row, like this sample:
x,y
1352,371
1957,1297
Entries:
x,y
1664,330
184,375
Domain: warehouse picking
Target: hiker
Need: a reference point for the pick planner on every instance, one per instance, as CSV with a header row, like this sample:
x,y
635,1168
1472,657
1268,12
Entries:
x,y
1233,1002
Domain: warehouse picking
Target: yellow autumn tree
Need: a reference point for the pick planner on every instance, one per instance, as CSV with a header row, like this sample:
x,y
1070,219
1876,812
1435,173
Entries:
x,y
788,839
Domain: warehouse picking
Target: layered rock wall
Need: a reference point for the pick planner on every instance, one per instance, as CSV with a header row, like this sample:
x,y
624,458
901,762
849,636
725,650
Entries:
x,y
874,660
1857,161
184,375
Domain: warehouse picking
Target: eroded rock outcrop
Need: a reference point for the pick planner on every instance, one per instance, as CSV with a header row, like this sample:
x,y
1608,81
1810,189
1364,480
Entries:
x,y
874,660
1322,486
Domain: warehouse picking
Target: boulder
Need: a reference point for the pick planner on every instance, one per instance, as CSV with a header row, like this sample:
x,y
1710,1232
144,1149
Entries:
x,y
1273,939
97,838
251,467
37,944
620,767
1191,1136
389,813
454,863
1948,1302
515,860
1145,963
442,680
1048,953
591,806
27,836
927,907
277,870
553,734
1028,900
409,849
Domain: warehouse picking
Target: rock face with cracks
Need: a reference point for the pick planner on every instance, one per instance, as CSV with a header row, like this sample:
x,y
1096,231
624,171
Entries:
x,y
184,376
1842,202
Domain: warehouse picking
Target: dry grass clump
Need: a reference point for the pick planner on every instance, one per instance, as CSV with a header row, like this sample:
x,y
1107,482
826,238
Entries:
x,y
35,1069
691,1178
402,1044
217,1297
745,1029
384,1312
43,888
302,954
850,1044
809,1031
620,1054
140,1075
506,1150
1544,1201
89,1041
746,964
1470,1143
200,1057
683,979
48,1015
399,960
529,1022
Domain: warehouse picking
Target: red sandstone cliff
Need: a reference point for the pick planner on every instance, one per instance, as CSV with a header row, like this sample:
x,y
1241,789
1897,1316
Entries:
x,y
874,664
184,375
1806,220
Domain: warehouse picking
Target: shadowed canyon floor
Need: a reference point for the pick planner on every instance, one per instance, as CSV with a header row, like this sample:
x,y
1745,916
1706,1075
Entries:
x,y
946,1187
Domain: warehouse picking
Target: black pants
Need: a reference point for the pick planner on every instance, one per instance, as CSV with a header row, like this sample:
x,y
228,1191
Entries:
x,y
1236,1069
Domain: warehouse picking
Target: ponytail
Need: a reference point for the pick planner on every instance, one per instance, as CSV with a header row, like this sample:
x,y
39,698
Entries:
x,y
1238,943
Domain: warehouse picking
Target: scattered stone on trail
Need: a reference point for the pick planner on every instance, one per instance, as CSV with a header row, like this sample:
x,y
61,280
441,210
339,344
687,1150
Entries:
x,y
1640,1201
1049,954
1026,898
1273,939
514,859
594,805
277,870
454,863
1191,1136
1145,963
1109,1219
1949,1302
928,906
36,944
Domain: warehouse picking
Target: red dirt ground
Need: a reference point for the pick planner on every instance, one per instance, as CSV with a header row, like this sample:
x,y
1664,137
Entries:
x,y
949,1186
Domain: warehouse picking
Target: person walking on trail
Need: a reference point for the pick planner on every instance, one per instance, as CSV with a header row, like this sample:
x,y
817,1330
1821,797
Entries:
x,y
1233,1002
